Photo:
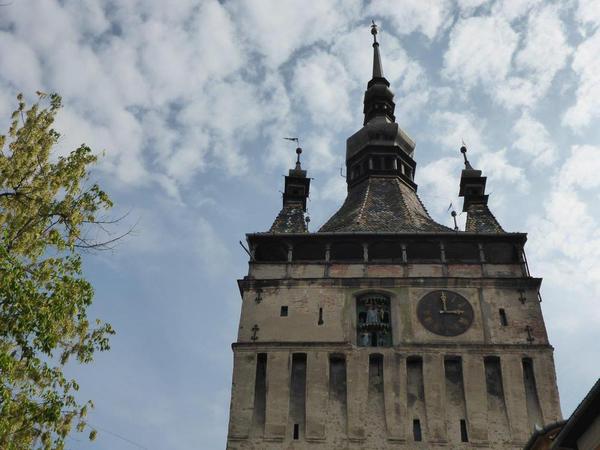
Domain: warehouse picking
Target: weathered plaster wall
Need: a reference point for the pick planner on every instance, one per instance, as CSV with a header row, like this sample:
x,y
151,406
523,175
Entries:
x,y
297,370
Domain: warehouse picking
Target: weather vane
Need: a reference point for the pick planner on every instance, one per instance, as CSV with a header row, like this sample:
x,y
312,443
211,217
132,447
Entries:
x,y
298,150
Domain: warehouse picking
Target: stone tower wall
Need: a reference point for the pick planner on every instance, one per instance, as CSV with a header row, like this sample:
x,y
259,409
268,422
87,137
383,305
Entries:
x,y
300,381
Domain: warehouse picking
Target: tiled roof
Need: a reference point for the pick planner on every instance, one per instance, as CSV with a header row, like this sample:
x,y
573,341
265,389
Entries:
x,y
382,204
481,220
290,219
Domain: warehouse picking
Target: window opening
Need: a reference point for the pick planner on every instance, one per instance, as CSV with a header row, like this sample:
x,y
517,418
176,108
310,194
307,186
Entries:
x,y
296,431
374,324
464,437
320,322
417,430
503,319
284,311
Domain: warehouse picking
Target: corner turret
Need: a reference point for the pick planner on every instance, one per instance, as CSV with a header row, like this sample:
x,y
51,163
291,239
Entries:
x,y
291,217
472,188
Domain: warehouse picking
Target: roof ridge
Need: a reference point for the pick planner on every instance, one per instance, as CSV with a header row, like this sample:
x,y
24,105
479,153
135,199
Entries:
x,y
424,207
493,217
364,203
403,201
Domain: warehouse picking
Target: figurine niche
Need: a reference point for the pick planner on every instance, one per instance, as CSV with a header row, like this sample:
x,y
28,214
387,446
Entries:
x,y
373,328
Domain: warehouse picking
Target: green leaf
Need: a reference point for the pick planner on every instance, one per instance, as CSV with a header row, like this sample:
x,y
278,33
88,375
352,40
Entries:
x,y
45,210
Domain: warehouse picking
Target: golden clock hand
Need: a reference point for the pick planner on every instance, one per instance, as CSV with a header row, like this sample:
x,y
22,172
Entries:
x,y
443,299
453,311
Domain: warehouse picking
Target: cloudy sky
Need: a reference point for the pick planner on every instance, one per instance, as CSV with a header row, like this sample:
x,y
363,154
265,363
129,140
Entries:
x,y
190,100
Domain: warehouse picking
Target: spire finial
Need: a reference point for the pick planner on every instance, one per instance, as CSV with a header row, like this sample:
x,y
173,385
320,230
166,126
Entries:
x,y
298,150
463,150
374,31
377,69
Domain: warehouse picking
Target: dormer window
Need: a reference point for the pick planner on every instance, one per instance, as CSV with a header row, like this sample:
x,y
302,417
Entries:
x,y
374,327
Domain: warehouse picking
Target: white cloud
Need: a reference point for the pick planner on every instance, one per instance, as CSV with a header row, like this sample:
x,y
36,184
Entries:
x,y
334,190
546,48
480,50
321,154
19,64
497,167
513,9
586,65
322,86
429,18
469,6
582,167
438,184
545,52
452,128
161,105
516,91
588,12
533,140
566,240
277,29
566,245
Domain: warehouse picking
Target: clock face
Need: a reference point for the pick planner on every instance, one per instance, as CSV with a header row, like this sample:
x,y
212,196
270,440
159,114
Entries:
x,y
445,313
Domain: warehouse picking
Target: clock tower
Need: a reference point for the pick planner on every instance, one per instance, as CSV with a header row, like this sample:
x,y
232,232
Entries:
x,y
385,329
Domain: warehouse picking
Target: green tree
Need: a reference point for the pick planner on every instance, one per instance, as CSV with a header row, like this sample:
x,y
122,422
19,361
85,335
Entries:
x,y
47,208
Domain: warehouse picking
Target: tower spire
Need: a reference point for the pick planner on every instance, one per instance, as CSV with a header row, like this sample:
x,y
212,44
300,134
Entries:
x,y
380,168
377,69
379,99
291,218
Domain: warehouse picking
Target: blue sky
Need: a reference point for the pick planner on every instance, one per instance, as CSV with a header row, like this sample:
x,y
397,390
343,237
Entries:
x,y
190,101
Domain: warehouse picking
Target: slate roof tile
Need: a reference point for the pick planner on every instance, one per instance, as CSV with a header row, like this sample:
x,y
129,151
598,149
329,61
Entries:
x,y
290,219
382,204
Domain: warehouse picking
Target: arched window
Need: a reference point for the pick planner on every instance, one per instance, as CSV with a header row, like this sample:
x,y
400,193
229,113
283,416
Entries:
x,y
374,325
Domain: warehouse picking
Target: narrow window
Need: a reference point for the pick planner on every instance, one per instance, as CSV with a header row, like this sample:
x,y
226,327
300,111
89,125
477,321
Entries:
x,y
417,430
503,319
296,431
260,391
464,437
284,311
320,322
